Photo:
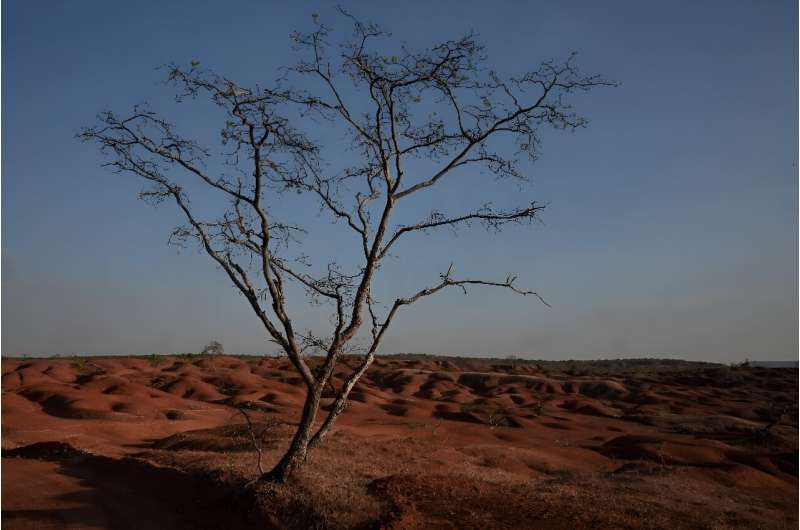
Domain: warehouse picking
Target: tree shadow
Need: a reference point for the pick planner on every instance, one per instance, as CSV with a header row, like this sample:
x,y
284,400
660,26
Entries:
x,y
129,493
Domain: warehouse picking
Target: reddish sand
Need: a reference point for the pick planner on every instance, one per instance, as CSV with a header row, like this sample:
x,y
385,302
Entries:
x,y
425,443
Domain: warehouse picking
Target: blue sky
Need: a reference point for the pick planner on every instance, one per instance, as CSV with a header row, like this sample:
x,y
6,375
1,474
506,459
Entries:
x,y
671,230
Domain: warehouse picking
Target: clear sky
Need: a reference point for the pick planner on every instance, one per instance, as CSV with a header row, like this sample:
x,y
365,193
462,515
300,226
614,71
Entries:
x,y
671,230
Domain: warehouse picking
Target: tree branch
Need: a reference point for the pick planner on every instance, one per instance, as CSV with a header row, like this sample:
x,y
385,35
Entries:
x,y
489,217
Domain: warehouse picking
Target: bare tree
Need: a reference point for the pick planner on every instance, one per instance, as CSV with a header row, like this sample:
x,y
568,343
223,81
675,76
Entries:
x,y
440,105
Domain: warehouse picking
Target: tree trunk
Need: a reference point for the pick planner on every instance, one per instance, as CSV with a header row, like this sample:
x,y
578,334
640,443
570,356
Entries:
x,y
340,402
296,454
338,408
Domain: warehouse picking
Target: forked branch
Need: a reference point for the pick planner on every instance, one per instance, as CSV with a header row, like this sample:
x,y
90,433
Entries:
x,y
379,329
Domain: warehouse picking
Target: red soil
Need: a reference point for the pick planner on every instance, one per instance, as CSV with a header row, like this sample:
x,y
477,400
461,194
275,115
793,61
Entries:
x,y
133,443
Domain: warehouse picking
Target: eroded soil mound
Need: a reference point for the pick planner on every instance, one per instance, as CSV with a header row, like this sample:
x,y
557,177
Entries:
x,y
425,443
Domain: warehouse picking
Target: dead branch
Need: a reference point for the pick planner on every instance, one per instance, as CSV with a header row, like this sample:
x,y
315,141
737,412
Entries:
x,y
254,439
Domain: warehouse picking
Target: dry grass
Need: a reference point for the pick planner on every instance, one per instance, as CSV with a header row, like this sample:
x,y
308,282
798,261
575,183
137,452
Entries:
x,y
353,482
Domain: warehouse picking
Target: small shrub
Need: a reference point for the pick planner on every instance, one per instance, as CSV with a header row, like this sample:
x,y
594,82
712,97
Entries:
x,y
538,407
78,363
213,348
498,418
155,359
744,364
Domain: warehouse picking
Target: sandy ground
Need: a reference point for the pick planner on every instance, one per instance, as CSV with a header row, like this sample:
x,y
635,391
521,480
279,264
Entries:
x,y
425,443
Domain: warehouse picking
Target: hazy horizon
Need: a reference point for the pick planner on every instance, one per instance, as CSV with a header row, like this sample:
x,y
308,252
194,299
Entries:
x,y
783,363
671,225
